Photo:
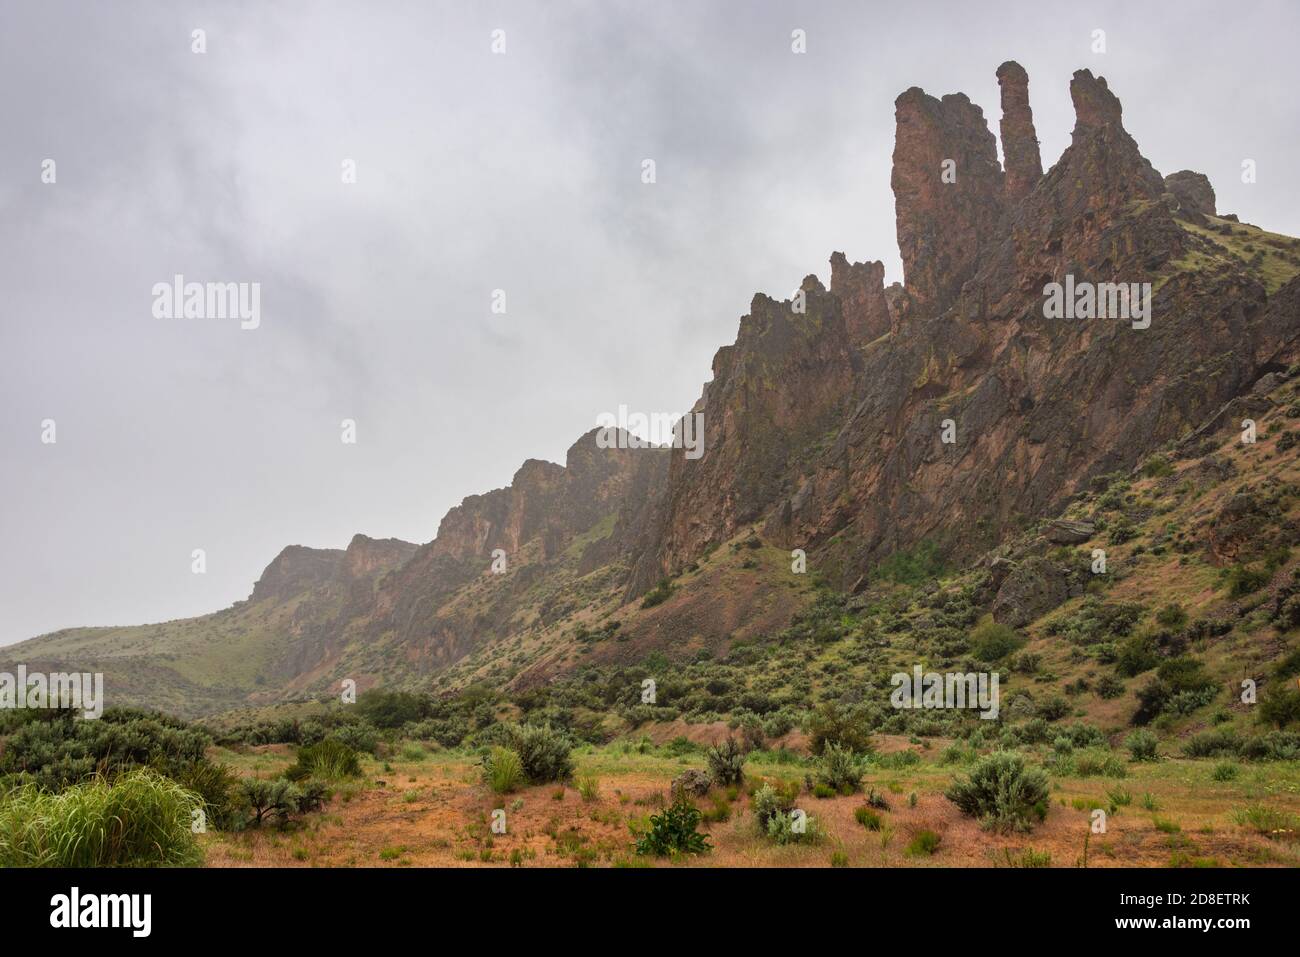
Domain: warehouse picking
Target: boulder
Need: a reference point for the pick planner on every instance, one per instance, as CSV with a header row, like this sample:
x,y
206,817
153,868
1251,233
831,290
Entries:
x,y
693,783
1034,587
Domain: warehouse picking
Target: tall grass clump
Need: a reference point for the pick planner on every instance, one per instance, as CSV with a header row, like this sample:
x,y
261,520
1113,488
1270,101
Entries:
x,y
328,760
503,772
140,820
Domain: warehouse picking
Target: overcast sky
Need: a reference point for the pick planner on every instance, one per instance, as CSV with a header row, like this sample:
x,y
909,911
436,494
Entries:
x,y
475,171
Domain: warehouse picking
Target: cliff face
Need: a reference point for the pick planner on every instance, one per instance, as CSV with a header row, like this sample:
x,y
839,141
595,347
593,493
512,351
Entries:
x,y
1034,405
851,422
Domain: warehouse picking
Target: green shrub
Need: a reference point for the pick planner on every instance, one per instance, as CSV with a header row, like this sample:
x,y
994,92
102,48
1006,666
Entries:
x,y
54,750
1098,762
1212,744
912,566
279,800
846,726
923,844
1157,467
1172,616
726,762
1002,792
1142,745
867,818
768,803
329,760
1245,580
589,787
1269,821
391,709
992,642
360,737
1280,706
1226,771
840,770
543,751
216,786
502,770
657,595
142,819
674,831
1136,655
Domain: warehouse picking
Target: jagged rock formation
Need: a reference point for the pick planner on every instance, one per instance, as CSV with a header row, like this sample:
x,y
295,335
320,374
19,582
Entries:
x,y
1024,167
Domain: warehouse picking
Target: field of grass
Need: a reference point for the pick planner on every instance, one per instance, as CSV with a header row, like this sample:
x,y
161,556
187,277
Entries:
x,y
425,807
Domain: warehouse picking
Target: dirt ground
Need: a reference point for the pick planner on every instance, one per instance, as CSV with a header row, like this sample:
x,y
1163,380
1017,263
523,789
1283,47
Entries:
x,y
434,811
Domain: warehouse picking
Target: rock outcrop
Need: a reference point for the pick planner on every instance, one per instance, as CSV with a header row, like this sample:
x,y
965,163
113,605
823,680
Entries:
x,y
1193,191
1024,167
947,193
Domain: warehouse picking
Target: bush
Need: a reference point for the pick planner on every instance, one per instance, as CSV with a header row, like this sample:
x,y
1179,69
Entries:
x,y
1054,708
781,829
1136,655
1244,580
330,760
589,787
674,831
867,818
543,751
840,770
769,803
1172,616
923,844
1098,762
141,820
215,785
279,800
1280,706
359,737
1213,744
503,772
1274,746
1001,792
1142,745
658,595
913,566
391,709
1226,771
992,642
726,762
840,725
57,752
